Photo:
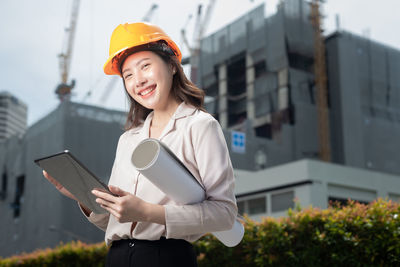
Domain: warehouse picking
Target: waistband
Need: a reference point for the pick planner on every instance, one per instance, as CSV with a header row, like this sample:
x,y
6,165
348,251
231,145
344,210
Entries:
x,y
156,243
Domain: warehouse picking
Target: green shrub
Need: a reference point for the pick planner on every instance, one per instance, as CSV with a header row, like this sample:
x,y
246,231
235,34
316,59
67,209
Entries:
x,y
71,254
354,235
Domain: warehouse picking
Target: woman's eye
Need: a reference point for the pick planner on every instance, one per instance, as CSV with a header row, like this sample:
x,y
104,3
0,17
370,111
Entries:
x,y
127,76
145,65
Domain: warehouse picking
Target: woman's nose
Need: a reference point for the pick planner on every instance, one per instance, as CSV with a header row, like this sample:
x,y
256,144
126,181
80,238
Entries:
x,y
140,79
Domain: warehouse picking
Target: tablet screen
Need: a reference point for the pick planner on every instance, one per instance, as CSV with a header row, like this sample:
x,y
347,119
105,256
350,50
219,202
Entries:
x,y
75,177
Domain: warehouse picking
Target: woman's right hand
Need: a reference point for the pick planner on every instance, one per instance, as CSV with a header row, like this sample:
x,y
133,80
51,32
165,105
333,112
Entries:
x,y
59,187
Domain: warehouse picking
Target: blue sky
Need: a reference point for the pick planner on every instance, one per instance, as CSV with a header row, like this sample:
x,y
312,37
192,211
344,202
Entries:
x,y
32,36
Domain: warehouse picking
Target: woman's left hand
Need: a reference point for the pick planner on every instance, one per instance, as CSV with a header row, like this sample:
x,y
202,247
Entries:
x,y
125,207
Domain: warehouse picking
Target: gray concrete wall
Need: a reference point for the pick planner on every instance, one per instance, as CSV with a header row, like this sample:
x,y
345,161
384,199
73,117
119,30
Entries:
x,y
345,100
363,91
46,217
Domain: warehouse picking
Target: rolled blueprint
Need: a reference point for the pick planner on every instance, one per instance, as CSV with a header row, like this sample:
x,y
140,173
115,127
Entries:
x,y
159,164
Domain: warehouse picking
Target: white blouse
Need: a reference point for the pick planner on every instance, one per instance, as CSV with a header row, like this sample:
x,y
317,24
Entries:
x,y
197,140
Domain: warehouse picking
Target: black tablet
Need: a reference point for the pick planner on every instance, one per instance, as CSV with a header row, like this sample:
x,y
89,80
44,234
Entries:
x,y
75,177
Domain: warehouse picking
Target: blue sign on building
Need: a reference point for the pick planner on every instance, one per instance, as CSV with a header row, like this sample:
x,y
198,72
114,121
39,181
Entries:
x,y
238,142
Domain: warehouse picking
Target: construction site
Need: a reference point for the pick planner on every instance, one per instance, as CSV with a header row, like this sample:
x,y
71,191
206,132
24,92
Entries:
x,y
306,116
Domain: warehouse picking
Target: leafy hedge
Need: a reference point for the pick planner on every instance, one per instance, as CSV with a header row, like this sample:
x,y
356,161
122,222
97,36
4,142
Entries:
x,y
65,255
354,235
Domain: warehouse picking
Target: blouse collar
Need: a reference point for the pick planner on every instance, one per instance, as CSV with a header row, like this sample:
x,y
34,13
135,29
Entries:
x,y
183,110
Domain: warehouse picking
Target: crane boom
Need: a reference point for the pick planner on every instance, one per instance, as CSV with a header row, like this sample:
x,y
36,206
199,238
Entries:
x,y
321,84
200,28
150,13
197,27
206,19
63,89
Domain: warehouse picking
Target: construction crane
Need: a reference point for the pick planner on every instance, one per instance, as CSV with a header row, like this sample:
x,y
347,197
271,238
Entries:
x,y
321,83
150,13
63,90
113,80
198,33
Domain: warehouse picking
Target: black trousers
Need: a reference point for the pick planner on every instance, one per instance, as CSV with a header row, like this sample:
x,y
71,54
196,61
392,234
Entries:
x,y
157,253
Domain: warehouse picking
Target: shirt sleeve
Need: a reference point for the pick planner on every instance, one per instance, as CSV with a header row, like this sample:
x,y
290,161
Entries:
x,y
218,211
100,220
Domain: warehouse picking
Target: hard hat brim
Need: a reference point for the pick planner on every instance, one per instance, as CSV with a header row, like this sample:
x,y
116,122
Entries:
x,y
111,66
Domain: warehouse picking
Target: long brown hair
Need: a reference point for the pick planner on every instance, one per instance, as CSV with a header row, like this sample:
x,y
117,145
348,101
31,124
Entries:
x,y
182,88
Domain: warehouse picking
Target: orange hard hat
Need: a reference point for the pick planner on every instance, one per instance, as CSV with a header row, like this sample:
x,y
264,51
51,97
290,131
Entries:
x,y
127,36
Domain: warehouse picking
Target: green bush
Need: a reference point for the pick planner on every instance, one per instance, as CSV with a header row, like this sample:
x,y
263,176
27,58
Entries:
x,y
354,235
71,254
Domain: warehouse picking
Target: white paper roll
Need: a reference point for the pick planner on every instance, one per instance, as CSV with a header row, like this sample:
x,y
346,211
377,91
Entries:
x,y
159,164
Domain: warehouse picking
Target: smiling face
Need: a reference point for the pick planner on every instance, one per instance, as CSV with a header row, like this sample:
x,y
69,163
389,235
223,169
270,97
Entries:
x,y
148,79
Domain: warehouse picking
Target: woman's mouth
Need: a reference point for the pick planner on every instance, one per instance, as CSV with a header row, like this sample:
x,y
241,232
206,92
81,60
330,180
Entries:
x,y
147,92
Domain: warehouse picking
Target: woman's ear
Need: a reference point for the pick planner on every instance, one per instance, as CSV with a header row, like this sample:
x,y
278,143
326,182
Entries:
x,y
173,69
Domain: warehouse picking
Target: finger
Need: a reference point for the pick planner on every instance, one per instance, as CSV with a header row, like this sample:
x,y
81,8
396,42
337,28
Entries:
x,y
49,178
45,174
101,190
110,207
111,211
104,195
118,191
106,203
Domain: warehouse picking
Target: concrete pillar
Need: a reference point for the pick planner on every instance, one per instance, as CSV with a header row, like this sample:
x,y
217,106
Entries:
x,y
283,77
222,96
283,98
283,91
250,77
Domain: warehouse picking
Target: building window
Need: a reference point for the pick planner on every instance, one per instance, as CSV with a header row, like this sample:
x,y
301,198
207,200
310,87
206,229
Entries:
x,y
240,205
264,131
237,90
282,201
4,181
257,205
253,206
335,201
19,191
394,197
300,62
236,118
212,90
260,68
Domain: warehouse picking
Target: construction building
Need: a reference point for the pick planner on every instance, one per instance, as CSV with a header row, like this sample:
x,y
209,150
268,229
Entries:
x,y
309,182
13,116
34,213
259,73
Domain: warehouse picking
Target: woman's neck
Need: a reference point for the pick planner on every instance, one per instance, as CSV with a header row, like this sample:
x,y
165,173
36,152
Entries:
x,y
162,116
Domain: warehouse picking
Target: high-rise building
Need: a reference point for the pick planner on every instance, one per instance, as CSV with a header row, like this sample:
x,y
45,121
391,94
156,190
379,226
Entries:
x,y
13,116
259,75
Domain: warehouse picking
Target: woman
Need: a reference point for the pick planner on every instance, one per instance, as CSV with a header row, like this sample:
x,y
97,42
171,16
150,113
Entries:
x,y
143,226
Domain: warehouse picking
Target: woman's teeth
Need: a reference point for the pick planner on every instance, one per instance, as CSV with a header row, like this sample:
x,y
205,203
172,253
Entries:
x,y
147,91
